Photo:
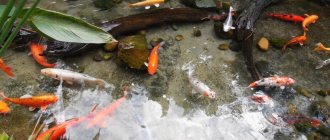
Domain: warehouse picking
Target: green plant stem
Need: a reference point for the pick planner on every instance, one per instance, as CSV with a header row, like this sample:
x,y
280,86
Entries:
x,y
18,27
11,21
6,12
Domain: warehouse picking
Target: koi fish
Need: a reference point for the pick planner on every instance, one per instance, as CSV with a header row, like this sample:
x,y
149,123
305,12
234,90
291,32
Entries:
x,y
295,40
57,131
6,69
308,20
322,64
153,59
200,87
320,47
71,77
147,3
99,117
261,98
32,101
274,81
287,17
228,25
4,109
36,50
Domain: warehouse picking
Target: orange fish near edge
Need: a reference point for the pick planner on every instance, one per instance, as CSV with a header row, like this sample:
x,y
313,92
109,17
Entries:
x,y
153,59
321,47
58,130
6,69
32,101
36,50
299,39
4,109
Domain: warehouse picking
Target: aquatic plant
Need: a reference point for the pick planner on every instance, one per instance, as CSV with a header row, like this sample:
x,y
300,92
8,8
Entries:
x,y
4,136
8,23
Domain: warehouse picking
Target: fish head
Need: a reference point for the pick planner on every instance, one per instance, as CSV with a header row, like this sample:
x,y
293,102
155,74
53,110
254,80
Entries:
x,y
48,72
211,94
290,81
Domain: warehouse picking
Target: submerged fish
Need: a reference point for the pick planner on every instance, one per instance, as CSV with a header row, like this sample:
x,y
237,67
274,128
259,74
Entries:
x,y
32,101
4,109
308,20
6,69
36,50
228,25
320,47
261,98
147,3
287,17
57,131
153,59
199,86
71,77
322,64
274,81
295,40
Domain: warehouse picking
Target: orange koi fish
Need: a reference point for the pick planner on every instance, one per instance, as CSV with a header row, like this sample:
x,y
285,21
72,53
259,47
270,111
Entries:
x,y
6,69
4,109
320,47
147,3
98,118
299,39
274,81
153,59
36,50
308,20
57,131
287,17
32,101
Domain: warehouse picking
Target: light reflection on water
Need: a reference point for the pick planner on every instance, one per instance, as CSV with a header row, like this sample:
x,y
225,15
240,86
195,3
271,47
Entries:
x,y
139,118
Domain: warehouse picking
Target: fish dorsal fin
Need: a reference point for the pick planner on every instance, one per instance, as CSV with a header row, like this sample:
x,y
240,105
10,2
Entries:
x,y
157,4
26,96
32,108
147,7
145,63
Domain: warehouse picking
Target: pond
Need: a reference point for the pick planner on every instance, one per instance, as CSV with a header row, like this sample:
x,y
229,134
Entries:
x,y
165,106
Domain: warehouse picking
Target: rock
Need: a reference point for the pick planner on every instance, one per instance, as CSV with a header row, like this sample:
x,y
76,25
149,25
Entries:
x,y
218,28
302,91
197,32
320,110
110,46
223,46
107,56
234,46
303,126
133,51
277,42
323,92
199,3
106,4
178,37
263,44
324,130
97,58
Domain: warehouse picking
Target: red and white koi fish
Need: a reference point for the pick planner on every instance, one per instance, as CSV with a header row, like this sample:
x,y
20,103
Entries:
x,y
273,82
71,77
32,101
36,50
147,3
320,47
153,59
299,39
308,20
99,117
287,17
4,108
6,69
199,86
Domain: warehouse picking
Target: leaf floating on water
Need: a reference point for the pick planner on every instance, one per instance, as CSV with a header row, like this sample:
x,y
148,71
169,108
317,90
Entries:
x,y
66,28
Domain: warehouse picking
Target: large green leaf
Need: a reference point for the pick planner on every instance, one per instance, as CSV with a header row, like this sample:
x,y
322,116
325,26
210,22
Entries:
x,y
66,28
2,8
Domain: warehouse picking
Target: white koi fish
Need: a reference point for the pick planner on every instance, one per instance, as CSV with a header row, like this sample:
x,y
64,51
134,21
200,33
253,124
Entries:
x,y
322,64
147,3
228,25
71,77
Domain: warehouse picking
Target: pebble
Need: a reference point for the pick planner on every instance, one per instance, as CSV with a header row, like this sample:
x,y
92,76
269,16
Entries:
x,y
197,32
223,46
107,56
97,58
263,44
178,37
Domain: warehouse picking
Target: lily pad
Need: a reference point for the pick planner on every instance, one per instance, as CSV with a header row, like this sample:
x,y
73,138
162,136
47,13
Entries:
x,y
66,28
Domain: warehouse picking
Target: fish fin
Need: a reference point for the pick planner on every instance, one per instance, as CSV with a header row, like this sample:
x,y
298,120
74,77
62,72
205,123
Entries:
x,y
2,94
29,54
43,108
146,64
232,28
319,65
26,96
301,44
100,82
32,108
319,47
157,4
69,82
282,87
306,15
147,7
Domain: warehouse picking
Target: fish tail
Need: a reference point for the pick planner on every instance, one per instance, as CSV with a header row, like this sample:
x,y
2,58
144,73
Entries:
x,y
131,5
284,47
189,68
100,82
253,85
319,47
270,15
2,94
320,65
